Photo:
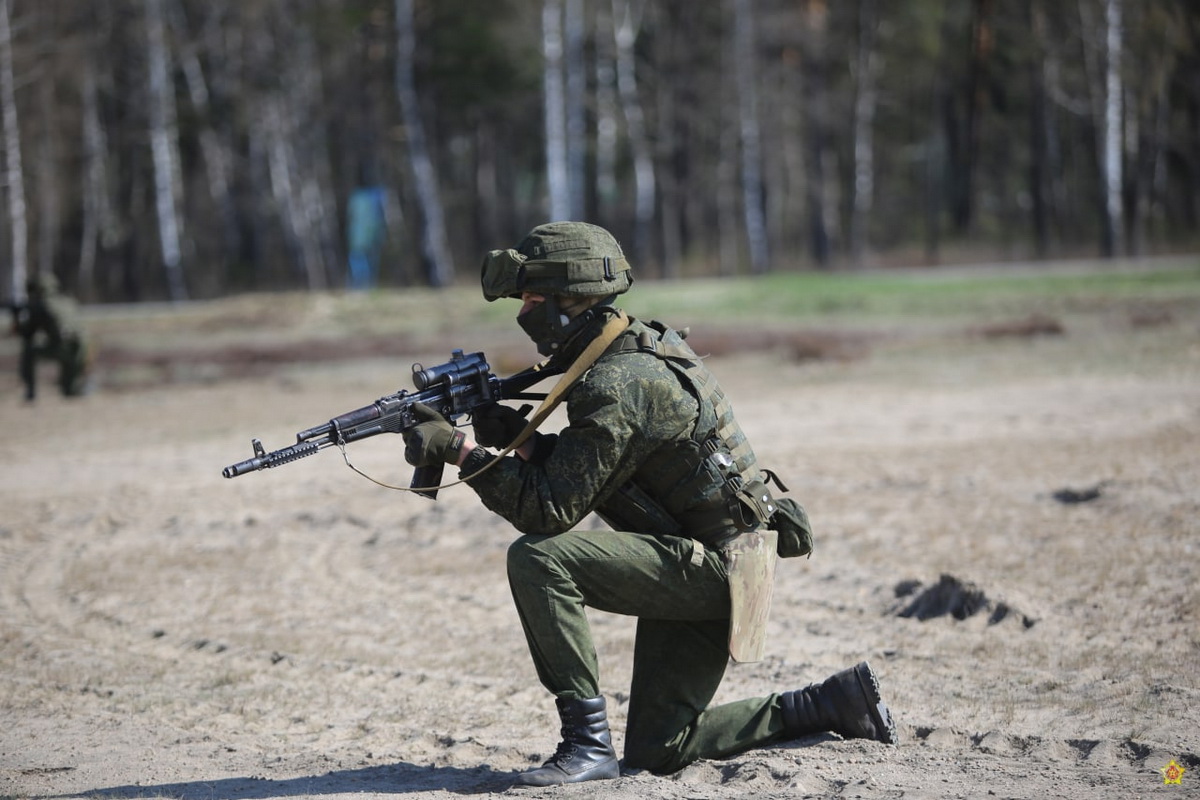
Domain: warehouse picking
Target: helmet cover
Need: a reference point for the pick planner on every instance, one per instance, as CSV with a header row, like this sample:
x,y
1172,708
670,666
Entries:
x,y
569,259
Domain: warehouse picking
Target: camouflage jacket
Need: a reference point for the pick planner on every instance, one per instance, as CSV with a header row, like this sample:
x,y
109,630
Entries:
x,y
621,414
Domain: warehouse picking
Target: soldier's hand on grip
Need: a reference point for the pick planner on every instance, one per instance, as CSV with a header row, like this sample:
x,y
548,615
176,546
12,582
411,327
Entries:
x,y
433,441
497,425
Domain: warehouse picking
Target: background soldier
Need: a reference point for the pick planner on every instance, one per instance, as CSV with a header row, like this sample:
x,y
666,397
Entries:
x,y
653,448
50,328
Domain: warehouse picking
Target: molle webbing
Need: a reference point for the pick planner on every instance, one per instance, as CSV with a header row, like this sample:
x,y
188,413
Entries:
x,y
716,425
699,480
725,430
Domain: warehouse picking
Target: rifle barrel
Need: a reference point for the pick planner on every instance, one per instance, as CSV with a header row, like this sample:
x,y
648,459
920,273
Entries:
x,y
275,458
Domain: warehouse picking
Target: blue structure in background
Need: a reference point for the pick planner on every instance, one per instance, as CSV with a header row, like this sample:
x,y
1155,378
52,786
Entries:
x,y
366,228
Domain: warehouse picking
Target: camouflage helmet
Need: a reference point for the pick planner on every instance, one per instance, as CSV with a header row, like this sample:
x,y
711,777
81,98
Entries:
x,y
573,259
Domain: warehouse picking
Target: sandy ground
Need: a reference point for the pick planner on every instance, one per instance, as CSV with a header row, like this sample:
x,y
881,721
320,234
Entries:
x,y
301,632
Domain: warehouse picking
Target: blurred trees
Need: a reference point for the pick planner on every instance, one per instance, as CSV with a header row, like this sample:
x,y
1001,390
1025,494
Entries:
x,y
164,149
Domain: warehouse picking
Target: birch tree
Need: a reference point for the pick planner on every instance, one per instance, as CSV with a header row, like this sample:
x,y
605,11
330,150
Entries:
x,y
12,157
973,145
164,145
288,129
1102,61
575,67
47,156
863,186
554,102
606,112
627,15
1114,219
303,97
218,160
278,130
434,246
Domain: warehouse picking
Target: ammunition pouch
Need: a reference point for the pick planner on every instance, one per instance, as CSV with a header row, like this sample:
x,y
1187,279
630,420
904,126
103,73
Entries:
x,y
630,508
790,520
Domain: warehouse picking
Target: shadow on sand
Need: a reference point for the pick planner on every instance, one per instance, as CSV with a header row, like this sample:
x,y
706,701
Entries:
x,y
389,778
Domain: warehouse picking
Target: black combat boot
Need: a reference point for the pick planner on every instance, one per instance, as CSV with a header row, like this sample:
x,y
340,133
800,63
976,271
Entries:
x,y
585,752
847,704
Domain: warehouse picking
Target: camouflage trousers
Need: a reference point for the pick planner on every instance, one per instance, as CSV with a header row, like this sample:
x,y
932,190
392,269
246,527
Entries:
x,y
681,599
72,357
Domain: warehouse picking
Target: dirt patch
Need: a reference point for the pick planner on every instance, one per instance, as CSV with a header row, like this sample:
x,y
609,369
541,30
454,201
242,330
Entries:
x,y
165,632
1032,325
956,598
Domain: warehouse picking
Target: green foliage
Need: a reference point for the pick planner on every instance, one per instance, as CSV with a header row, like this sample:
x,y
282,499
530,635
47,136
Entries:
x,y
473,65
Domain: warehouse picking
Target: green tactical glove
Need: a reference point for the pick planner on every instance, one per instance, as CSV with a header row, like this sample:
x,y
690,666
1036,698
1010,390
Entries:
x,y
497,425
433,441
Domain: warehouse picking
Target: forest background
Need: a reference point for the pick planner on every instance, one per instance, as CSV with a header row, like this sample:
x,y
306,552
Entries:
x,y
176,149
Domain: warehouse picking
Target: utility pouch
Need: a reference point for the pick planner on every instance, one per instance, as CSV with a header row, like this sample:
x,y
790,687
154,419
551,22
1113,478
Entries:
x,y
753,506
630,508
750,561
795,533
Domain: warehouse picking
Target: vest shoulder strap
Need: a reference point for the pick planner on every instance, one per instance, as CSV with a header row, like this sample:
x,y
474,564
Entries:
x,y
655,337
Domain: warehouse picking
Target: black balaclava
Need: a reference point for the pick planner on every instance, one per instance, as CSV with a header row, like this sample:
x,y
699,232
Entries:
x,y
551,329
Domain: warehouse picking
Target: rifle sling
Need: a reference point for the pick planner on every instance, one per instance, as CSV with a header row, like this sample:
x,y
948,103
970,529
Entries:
x,y
608,334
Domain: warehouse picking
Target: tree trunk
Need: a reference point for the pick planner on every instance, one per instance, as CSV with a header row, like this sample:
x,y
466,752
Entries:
x,y
48,156
1155,161
627,15
745,74
819,186
728,230
576,101
1038,112
606,115
965,166
558,180
12,158
93,184
218,160
164,144
729,221
1102,61
295,150
863,187
279,132
434,245
787,230
303,102
667,184
1114,218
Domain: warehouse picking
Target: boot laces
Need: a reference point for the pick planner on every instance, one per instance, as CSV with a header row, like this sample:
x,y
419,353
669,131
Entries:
x,y
565,750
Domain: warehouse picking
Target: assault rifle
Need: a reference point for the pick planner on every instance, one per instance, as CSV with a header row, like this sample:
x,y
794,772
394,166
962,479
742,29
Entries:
x,y
454,389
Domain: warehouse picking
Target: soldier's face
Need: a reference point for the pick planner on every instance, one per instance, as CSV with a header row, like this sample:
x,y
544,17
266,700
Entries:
x,y
529,301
